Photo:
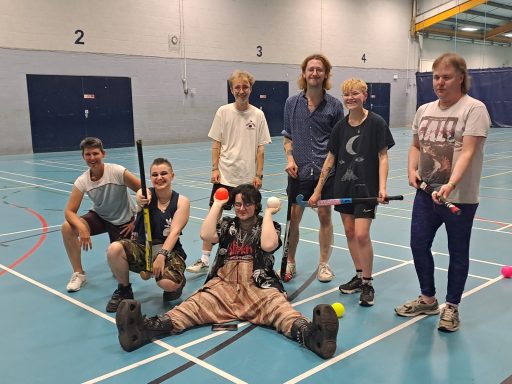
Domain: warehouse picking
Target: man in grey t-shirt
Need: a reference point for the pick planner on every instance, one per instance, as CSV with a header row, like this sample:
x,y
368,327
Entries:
x,y
446,152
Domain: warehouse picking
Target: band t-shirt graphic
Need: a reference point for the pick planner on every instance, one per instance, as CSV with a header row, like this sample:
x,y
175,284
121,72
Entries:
x,y
441,134
436,157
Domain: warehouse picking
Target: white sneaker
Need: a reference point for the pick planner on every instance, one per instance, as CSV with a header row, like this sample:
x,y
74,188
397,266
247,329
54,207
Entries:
x,y
198,267
325,273
76,282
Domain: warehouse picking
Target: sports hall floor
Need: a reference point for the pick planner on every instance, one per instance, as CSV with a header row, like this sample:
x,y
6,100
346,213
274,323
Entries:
x,y
51,336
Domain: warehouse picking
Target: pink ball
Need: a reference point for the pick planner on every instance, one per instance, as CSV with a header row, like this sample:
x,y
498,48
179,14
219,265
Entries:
x,y
506,271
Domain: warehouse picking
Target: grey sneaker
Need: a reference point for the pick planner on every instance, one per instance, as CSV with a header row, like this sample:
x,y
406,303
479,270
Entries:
x,y
198,267
367,298
417,307
449,319
352,286
325,273
76,282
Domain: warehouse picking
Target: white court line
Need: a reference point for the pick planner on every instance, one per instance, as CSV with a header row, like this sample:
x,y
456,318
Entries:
x,y
380,337
94,311
38,178
40,229
34,185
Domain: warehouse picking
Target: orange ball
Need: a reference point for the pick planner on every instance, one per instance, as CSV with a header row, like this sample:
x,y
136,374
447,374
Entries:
x,y
221,194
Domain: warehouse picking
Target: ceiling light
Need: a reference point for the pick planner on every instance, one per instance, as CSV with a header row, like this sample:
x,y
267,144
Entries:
x,y
469,29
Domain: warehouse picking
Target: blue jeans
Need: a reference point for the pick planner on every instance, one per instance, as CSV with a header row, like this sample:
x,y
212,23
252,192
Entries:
x,y
427,217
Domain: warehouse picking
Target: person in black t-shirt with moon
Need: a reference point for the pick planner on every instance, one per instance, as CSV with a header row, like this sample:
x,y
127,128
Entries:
x,y
358,151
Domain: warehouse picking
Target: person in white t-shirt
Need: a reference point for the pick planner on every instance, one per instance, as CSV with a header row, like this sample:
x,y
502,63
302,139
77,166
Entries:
x,y
239,133
447,152
112,209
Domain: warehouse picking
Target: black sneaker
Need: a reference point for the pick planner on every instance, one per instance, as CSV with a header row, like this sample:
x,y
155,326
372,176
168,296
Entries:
x,y
120,294
352,286
175,295
367,298
136,330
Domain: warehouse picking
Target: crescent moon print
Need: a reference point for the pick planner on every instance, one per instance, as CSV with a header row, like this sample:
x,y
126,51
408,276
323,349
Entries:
x,y
350,145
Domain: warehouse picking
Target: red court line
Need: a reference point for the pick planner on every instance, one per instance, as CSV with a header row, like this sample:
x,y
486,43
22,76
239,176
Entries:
x,y
41,240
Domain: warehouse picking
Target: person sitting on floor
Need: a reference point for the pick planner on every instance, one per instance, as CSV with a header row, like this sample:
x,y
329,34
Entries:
x,y
241,285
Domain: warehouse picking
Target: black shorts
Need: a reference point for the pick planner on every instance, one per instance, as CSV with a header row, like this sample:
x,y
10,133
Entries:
x,y
97,225
360,211
229,205
306,188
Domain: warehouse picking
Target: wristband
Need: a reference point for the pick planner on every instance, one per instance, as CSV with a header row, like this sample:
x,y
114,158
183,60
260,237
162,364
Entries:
x,y
452,184
259,177
163,252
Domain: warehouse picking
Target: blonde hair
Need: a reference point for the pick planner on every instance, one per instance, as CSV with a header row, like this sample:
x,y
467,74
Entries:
x,y
354,83
301,82
460,66
238,74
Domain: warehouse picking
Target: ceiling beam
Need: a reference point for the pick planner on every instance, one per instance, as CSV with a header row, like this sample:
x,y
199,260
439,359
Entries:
x,y
499,5
467,35
488,15
499,30
447,14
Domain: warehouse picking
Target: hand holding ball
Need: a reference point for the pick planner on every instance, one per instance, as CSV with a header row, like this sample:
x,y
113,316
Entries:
x,y
221,194
339,309
273,202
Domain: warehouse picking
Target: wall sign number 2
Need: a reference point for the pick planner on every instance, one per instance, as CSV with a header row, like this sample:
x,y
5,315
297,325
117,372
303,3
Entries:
x,y
80,35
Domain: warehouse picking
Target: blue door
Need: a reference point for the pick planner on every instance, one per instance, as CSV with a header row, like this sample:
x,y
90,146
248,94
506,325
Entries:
x,y
378,99
65,109
270,97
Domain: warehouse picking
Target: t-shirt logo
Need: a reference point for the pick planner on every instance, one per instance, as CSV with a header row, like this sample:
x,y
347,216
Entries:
x,y
250,125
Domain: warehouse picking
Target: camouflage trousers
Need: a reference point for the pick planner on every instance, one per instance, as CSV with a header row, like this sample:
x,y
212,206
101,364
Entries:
x,y
136,256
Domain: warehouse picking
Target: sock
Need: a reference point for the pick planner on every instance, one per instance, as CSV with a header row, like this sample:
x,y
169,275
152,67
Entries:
x,y
359,273
367,280
453,305
205,255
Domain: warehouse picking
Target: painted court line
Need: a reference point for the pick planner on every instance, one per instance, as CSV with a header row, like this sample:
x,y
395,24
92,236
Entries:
x,y
380,337
170,348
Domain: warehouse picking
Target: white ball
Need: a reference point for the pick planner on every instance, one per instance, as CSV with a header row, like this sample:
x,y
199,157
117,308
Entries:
x,y
273,202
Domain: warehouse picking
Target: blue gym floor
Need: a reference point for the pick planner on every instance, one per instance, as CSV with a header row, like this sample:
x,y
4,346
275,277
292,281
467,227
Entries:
x,y
52,336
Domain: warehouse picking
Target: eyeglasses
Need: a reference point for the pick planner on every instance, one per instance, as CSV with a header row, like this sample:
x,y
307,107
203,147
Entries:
x,y
245,205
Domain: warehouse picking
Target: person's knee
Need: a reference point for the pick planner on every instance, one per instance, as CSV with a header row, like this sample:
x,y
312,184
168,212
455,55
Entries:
x,y
67,229
115,251
324,216
350,233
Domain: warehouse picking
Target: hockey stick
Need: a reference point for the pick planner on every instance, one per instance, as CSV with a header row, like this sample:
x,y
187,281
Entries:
x,y
284,259
346,200
146,274
428,188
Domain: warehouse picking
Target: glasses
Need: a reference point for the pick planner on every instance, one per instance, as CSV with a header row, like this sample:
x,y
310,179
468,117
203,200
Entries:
x,y
245,205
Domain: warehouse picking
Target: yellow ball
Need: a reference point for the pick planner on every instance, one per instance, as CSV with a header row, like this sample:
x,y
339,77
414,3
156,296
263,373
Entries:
x,y
339,309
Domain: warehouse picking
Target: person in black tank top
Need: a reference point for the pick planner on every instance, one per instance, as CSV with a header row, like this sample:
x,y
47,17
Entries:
x,y
169,212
